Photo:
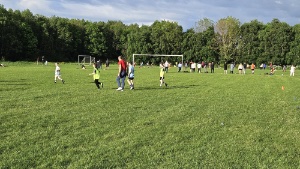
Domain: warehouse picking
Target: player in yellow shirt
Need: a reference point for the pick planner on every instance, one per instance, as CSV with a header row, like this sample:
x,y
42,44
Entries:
x,y
96,76
162,75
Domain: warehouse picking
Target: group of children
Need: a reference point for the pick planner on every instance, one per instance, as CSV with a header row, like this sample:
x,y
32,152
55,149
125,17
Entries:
x,y
129,73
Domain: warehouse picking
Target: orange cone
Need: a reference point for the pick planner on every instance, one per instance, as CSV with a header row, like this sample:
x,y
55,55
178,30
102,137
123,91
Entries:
x,y
282,87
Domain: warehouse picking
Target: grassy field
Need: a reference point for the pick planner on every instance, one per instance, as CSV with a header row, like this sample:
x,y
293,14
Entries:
x,y
199,121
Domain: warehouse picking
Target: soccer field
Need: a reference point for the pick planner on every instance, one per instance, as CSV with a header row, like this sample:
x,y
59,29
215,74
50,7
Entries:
x,y
200,121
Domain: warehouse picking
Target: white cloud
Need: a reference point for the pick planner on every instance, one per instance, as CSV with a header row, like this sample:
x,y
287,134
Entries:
x,y
185,12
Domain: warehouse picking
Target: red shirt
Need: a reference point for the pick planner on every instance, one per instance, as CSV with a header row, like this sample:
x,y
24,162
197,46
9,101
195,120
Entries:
x,y
123,64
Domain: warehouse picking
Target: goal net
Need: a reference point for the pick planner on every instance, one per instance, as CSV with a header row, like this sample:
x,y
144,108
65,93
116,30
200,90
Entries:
x,y
156,55
85,60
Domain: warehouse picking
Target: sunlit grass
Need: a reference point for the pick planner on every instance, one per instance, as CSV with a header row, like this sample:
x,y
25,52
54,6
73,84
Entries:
x,y
199,121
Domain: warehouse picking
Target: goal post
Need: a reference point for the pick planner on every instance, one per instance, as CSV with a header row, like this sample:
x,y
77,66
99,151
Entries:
x,y
156,55
85,59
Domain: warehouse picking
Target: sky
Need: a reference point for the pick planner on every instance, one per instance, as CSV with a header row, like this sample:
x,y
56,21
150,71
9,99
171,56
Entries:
x,y
144,12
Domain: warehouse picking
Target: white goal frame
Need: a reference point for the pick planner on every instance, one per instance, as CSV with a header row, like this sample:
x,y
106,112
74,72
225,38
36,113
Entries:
x,y
156,55
81,59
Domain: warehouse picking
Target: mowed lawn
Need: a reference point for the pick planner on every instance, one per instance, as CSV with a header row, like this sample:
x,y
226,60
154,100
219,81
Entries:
x,y
200,121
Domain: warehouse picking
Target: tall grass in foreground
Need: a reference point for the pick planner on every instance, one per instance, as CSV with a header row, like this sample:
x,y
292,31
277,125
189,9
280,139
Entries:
x,y
199,121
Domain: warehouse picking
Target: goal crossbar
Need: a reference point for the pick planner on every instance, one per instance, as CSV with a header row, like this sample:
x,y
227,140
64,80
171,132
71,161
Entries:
x,y
156,55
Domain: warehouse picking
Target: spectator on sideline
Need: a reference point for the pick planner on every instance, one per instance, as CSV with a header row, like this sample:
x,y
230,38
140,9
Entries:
x,y
253,67
225,67
212,67
167,66
199,67
240,67
179,66
231,67
106,64
245,67
121,74
292,72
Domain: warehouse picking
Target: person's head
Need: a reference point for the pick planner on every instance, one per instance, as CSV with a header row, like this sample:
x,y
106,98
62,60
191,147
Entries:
x,y
119,57
56,64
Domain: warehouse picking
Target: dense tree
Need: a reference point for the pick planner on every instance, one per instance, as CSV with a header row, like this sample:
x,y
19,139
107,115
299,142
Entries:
x,y
228,36
275,39
249,44
24,36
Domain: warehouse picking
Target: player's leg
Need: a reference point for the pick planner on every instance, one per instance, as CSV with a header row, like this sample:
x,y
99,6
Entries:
x,y
97,83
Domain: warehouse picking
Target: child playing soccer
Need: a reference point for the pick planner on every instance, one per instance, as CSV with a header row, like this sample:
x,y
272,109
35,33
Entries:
x,y
130,76
162,75
57,74
96,76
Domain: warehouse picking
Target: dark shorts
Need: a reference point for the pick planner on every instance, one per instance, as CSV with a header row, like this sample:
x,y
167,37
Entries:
x,y
130,78
160,78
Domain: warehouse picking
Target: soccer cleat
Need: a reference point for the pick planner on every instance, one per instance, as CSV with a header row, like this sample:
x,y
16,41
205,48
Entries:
x,y
63,81
119,88
166,84
54,81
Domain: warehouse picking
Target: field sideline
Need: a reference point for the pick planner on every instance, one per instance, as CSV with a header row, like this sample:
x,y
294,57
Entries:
x,y
200,121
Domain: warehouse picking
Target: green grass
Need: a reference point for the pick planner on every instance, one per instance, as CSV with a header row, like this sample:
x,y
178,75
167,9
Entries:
x,y
199,121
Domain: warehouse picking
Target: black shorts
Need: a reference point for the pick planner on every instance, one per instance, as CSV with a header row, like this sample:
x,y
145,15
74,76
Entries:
x,y
160,78
130,78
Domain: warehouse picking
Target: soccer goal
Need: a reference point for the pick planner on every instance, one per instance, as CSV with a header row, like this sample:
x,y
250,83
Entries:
x,y
85,59
156,55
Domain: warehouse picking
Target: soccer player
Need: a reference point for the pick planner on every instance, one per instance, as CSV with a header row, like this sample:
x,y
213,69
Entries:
x,y
130,76
162,75
96,76
292,72
121,74
252,67
57,74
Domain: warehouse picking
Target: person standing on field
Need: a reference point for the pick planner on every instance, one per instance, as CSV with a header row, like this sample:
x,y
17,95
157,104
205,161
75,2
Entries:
x,y
245,67
292,72
225,67
121,74
252,67
96,74
57,74
231,67
212,67
162,75
130,76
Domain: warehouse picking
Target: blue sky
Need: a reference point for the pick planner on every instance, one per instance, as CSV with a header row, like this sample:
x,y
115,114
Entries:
x,y
185,12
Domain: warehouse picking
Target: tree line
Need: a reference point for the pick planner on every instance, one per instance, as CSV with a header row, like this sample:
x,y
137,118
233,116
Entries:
x,y
25,37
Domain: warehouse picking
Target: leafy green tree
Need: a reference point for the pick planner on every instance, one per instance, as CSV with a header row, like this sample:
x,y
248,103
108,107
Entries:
x,y
275,39
227,36
293,56
249,44
95,39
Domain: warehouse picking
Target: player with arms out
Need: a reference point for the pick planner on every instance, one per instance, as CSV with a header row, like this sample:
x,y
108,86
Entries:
x,y
162,75
96,75
57,74
130,76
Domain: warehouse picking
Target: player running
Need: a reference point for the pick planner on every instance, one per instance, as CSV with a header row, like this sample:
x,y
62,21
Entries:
x,y
96,76
57,74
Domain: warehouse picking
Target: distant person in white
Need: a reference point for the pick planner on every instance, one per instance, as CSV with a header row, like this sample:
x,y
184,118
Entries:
x,y
166,66
292,73
57,74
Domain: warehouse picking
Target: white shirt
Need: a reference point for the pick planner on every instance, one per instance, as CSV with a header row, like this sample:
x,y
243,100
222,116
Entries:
x,y
57,70
293,68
